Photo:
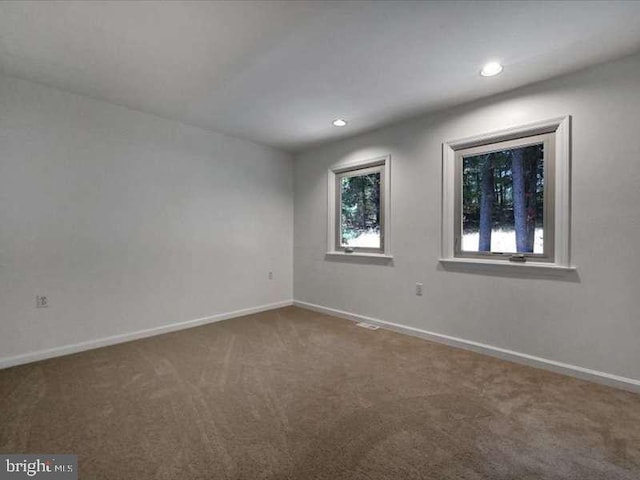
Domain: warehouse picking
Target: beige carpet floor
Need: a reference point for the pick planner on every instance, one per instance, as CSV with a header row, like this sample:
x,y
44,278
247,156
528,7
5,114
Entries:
x,y
293,394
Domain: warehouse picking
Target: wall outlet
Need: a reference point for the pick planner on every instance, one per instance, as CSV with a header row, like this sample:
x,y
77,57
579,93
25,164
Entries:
x,y
41,302
419,289
270,275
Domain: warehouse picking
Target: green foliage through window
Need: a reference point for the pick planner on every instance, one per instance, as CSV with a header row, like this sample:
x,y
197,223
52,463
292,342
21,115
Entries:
x,y
503,201
360,210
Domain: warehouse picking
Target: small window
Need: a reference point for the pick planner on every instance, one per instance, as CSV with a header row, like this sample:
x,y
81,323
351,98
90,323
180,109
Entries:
x,y
358,207
506,196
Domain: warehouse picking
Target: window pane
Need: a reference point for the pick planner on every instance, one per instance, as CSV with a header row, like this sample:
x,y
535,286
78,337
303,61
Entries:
x,y
360,211
503,201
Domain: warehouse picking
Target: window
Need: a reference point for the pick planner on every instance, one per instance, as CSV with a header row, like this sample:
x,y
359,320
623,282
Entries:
x,y
505,199
358,207
506,196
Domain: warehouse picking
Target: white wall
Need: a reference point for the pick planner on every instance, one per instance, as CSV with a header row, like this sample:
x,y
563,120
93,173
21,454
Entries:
x,y
127,221
590,319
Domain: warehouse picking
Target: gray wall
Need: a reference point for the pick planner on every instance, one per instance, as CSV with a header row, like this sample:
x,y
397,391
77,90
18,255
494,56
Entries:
x,y
589,319
127,221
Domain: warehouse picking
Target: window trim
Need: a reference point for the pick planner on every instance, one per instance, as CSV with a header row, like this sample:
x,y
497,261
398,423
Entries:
x,y
383,164
560,259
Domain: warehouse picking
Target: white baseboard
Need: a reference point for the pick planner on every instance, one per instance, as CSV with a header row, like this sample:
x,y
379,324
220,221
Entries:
x,y
127,337
609,379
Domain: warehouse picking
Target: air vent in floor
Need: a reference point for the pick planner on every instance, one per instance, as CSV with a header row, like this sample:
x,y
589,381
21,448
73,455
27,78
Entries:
x,y
367,325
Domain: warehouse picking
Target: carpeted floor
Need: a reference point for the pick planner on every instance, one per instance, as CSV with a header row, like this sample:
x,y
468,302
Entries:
x,y
293,394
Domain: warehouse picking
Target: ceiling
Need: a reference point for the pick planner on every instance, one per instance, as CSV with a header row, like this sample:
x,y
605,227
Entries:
x,y
278,72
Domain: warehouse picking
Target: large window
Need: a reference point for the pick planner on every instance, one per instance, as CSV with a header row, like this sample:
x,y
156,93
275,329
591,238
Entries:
x,y
505,200
506,196
358,207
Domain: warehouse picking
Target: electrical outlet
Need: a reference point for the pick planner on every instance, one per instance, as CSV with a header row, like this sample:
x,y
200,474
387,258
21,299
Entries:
x,y
419,289
41,302
270,275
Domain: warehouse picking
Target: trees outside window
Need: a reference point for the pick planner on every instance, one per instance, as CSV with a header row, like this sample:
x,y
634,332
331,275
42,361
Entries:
x,y
360,215
506,197
503,201
359,208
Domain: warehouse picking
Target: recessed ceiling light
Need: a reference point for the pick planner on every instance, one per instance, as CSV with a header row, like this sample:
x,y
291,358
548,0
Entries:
x,y
339,123
491,69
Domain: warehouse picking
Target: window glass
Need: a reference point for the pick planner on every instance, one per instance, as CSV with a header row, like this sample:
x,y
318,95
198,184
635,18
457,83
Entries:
x,y
503,201
360,210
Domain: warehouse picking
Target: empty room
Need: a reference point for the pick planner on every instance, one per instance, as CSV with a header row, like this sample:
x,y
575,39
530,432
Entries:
x,y
320,240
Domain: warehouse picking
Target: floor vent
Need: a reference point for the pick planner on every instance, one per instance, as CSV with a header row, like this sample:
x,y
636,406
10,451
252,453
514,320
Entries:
x,y
367,325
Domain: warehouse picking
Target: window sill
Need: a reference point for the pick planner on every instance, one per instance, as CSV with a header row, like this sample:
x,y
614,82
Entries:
x,y
507,266
379,256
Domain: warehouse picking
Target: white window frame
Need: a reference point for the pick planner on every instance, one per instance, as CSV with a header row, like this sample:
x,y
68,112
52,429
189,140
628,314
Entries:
x,y
333,248
559,175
